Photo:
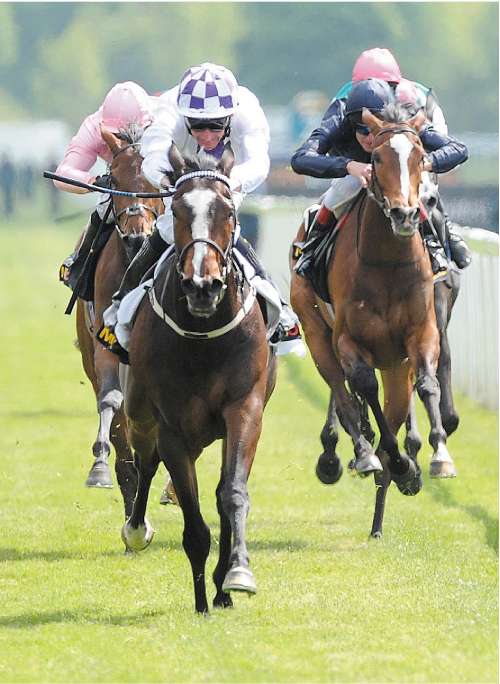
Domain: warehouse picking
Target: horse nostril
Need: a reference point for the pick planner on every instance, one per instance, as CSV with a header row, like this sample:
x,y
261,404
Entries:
x,y
215,287
188,286
398,214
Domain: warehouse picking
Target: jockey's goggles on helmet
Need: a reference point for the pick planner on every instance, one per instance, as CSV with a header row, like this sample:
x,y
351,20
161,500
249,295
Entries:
x,y
208,124
362,129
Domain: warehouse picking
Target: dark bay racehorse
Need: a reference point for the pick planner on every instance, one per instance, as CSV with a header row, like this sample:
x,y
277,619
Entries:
x,y
134,220
381,285
200,370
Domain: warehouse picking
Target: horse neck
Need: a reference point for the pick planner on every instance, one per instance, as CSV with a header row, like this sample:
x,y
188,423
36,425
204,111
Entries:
x,y
377,244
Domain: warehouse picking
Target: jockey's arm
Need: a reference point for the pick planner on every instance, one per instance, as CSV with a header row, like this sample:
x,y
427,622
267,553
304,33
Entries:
x,y
444,152
81,155
311,158
249,139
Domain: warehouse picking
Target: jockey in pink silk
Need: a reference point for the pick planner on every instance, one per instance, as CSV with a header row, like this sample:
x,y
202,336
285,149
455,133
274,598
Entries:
x,y
126,104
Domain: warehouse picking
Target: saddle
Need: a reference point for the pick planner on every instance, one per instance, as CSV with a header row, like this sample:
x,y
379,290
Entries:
x,y
316,252
84,268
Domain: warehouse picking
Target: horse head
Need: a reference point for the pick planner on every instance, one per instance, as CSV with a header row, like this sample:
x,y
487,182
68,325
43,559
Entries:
x,y
397,165
134,219
204,225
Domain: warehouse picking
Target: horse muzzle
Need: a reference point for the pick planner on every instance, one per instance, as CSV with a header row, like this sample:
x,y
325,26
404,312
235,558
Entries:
x,y
404,221
203,295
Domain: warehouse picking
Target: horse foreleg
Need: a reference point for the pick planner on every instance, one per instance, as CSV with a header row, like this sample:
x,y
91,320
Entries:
x,y
196,535
222,599
329,466
109,401
318,337
244,424
137,532
413,440
125,470
423,353
443,303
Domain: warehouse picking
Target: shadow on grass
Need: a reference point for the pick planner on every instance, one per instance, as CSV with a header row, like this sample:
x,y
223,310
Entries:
x,y
443,496
20,555
88,616
47,413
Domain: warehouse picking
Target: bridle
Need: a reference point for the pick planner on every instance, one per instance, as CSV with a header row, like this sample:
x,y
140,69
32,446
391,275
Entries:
x,y
374,190
136,209
224,254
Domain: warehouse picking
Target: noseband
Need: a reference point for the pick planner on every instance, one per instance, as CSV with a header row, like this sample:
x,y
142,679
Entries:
x,y
374,191
137,209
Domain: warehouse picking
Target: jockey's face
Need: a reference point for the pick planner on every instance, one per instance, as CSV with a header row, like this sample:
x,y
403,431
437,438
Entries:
x,y
366,141
207,138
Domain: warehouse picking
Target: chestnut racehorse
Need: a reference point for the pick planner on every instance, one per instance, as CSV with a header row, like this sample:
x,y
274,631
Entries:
x,y
200,370
134,220
380,284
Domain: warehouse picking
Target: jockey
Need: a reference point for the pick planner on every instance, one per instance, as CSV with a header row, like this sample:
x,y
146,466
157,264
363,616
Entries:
x,y
381,63
204,112
340,148
125,104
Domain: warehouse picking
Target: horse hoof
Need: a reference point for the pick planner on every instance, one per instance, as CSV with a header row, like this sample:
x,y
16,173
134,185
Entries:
x,y
442,469
329,469
99,476
409,483
376,535
240,579
222,600
168,495
139,538
367,464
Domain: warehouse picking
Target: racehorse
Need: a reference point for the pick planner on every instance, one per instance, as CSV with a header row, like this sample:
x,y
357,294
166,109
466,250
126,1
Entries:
x,y
200,370
380,283
133,220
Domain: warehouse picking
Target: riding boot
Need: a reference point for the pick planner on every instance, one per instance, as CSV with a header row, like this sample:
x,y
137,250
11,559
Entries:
x,y
151,250
287,335
457,247
322,221
67,270
460,253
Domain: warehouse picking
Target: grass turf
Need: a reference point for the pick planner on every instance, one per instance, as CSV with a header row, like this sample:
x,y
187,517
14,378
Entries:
x,y
418,606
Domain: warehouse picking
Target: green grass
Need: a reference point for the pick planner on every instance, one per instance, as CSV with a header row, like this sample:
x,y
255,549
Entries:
x,y
418,606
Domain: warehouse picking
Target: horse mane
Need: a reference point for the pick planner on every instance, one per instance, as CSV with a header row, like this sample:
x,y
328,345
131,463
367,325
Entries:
x,y
395,112
202,162
131,134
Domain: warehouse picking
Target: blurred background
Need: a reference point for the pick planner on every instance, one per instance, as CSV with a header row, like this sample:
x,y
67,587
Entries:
x,y
58,60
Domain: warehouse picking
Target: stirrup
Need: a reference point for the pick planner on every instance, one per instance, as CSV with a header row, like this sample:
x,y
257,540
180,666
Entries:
x,y
106,336
65,269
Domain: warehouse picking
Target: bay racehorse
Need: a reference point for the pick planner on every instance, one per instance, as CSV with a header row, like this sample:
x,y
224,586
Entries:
x,y
200,370
380,283
134,220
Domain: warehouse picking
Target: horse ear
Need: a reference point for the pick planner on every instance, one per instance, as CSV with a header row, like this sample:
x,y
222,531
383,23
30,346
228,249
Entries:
x,y
418,121
226,161
177,163
370,120
112,141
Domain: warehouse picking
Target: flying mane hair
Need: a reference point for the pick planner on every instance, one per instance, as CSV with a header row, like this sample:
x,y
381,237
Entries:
x,y
131,134
396,113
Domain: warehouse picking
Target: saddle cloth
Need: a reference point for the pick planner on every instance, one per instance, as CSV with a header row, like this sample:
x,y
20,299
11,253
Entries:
x,y
130,303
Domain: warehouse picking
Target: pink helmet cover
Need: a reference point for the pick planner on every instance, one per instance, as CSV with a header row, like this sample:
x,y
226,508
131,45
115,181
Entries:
x,y
126,103
376,63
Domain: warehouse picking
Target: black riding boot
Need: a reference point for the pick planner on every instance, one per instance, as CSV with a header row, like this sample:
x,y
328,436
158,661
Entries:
x,y
458,249
321,222
151,250
69,269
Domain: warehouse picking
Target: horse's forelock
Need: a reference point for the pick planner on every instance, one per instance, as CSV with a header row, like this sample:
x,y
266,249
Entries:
x,y
395,113
131,134
202,162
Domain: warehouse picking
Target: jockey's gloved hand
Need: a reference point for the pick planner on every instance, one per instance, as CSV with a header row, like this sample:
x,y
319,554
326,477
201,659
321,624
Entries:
x,y
104,181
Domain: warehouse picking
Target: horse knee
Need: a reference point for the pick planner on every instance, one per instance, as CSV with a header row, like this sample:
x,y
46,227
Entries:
x,y
111,399
427,385
363,380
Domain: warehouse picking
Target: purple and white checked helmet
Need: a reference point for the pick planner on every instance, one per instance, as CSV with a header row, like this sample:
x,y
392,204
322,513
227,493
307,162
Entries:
x,y
207,91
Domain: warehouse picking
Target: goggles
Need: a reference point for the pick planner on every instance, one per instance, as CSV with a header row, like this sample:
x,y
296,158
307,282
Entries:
x,y
208,124
362,129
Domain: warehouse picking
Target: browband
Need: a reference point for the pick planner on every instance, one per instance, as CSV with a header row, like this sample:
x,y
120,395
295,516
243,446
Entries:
x,y
215,175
